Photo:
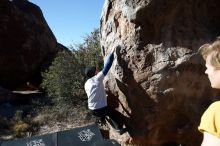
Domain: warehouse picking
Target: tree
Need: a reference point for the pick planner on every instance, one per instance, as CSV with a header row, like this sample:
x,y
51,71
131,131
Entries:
x,y
64,80
89,52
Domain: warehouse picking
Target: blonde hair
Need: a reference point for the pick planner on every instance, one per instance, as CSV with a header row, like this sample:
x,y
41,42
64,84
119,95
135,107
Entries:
x,y
212,49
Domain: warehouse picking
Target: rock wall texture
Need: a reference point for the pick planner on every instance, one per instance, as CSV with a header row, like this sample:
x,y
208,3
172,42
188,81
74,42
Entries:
x,y
27,44
157,80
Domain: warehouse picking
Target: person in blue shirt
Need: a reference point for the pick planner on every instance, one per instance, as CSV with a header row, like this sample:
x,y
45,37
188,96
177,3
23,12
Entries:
x,y
95,90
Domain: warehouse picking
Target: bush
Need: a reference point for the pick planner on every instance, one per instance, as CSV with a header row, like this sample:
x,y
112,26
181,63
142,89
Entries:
x,y
89,52
64,79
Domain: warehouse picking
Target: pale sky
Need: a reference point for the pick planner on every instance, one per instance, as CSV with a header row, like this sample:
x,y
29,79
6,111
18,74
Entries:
x,y
70,20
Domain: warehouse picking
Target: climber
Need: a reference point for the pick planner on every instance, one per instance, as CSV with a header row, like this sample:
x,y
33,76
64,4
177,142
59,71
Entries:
x,y
210,121
95,90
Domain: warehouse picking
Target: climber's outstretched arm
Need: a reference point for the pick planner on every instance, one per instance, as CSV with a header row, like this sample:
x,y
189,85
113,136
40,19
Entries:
x,y
109,61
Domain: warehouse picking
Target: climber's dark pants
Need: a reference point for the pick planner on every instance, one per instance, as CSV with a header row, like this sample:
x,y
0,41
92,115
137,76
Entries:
x,y
104,113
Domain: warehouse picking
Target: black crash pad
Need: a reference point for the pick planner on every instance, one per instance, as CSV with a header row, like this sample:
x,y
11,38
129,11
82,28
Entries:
x,y
43,140
81,136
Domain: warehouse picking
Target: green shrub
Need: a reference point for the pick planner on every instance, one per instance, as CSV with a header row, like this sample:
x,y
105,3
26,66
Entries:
x,y
64,79
89,52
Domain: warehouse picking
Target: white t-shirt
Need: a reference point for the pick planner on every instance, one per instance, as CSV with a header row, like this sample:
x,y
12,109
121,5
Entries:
x,y
95,91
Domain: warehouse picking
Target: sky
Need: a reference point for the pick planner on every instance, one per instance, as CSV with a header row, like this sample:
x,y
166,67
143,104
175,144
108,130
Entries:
x,y
71,20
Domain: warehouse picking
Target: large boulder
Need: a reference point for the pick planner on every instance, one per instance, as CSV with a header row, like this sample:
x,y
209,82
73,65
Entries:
x,y
158,77
27,44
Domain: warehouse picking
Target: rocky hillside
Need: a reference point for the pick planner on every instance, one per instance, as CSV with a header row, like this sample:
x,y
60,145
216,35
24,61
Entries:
x,y
157,80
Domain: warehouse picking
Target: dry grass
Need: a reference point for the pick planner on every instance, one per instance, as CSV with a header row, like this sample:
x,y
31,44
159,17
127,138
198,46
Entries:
x,y
20,128
38,118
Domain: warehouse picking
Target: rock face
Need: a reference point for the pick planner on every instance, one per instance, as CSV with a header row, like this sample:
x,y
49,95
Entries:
x,y
27,44
157,80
